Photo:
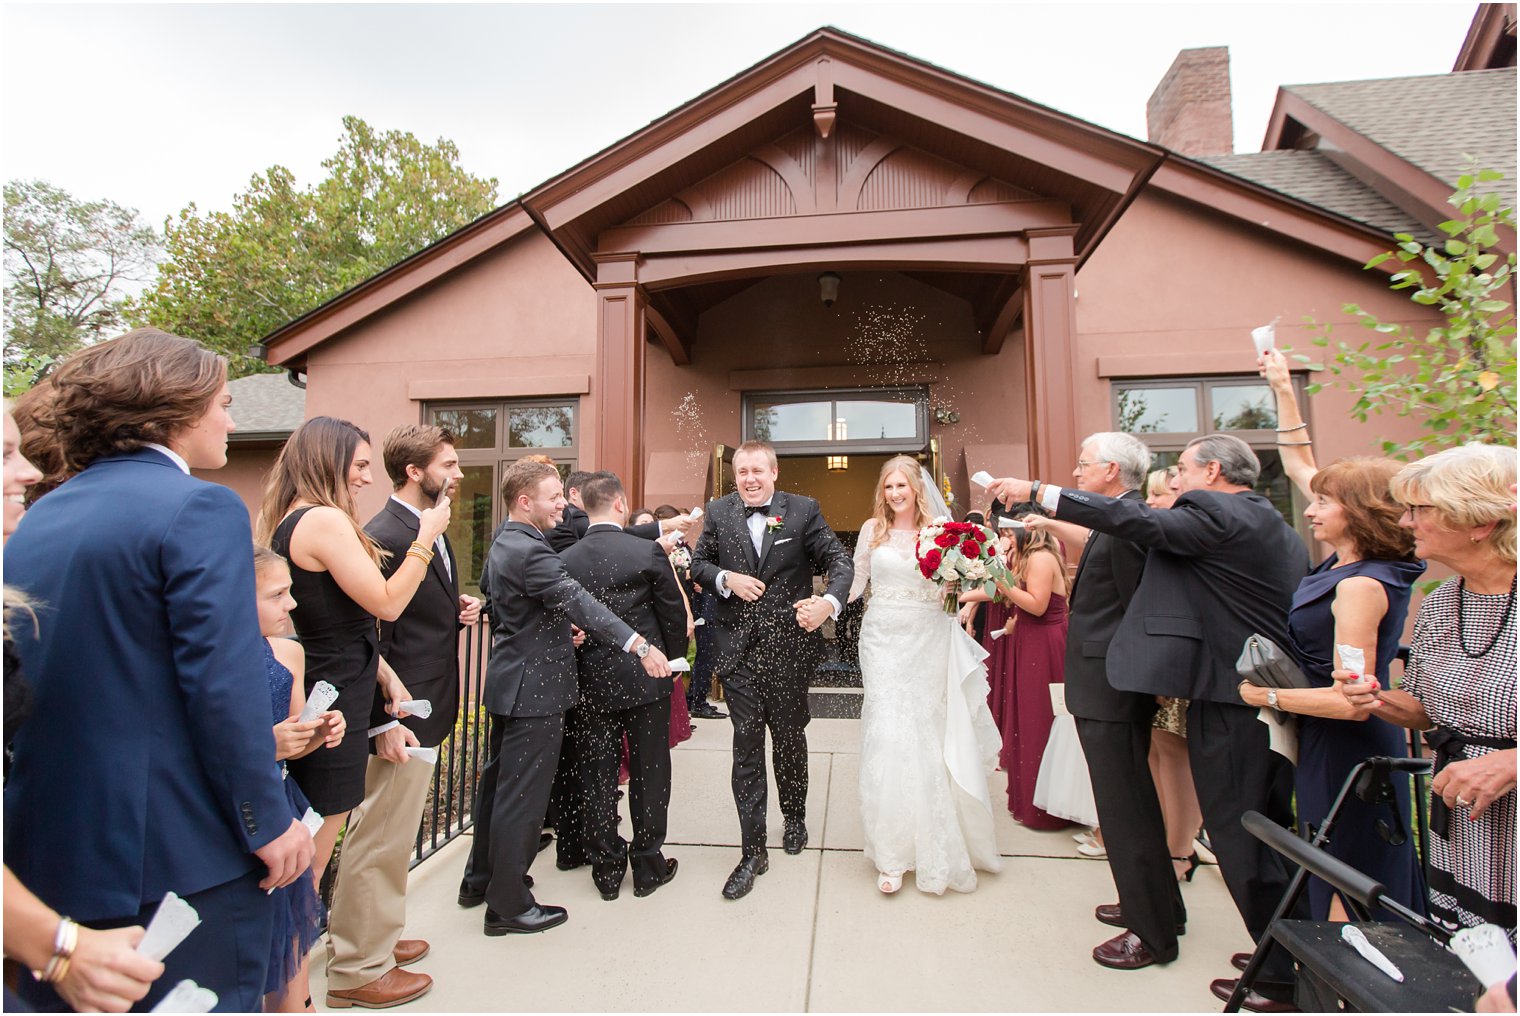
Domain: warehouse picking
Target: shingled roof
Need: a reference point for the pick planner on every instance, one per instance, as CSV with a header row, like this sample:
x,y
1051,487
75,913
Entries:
x,y
266,407
1431,121
1313,178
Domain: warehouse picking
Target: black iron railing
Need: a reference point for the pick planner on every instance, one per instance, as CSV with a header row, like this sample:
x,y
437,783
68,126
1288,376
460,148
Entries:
x,y
451,800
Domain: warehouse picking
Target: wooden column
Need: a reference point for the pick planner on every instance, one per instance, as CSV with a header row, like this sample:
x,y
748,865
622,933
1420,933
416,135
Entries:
x,y
619,384
1050,339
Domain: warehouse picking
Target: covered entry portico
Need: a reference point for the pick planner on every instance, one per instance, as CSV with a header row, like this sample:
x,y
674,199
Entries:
x,y
704,234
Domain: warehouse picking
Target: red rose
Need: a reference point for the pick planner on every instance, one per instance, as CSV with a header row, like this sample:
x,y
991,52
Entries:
x,y
946,539
933,559
971,548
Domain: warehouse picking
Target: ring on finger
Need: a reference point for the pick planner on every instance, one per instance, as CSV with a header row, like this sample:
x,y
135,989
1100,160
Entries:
x,y
1464,802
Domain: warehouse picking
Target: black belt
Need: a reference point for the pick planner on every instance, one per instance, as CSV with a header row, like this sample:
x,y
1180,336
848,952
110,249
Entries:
x,y
1450,746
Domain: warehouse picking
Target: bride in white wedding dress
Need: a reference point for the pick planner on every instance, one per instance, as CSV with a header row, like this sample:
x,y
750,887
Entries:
x,y
927,738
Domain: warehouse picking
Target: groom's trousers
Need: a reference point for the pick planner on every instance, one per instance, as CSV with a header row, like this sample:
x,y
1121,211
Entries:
x,y
1134,830
756,703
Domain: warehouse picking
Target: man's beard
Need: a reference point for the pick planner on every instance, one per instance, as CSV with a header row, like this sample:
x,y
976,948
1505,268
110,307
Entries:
x,y
431,490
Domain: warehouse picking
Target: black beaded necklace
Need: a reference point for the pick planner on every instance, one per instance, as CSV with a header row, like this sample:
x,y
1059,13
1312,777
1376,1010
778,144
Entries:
x,y
1509,608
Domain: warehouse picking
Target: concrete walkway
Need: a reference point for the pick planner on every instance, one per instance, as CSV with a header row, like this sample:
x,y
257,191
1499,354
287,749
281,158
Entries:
x,y
815,935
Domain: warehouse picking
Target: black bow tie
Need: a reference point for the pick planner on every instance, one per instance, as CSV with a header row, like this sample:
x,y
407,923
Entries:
x,y
756,509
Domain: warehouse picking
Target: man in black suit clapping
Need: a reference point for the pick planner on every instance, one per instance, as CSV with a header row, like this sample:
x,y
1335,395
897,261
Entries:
x,y
1221,564
530,683
633,578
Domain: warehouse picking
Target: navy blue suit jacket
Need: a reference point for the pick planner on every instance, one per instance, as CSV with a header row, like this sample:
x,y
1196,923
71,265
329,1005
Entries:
x,y
147,764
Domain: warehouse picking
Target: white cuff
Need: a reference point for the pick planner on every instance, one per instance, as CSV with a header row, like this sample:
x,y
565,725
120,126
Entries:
x,y
1050,495
834,603
722,584
628,646
383,727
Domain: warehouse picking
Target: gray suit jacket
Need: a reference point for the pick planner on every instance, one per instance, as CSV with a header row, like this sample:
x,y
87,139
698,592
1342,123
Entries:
x,y
533,602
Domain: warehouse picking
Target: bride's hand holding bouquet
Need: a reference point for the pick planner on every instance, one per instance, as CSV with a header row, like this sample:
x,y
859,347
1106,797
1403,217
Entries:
x,y
957,556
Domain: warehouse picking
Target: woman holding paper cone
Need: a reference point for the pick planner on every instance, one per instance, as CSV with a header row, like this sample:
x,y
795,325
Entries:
x,y
309,517
1357,597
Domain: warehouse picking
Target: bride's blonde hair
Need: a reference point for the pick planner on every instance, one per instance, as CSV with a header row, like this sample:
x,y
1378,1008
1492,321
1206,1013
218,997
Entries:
x,y
909,467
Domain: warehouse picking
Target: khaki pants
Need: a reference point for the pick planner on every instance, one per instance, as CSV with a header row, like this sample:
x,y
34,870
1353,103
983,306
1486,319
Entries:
x,y
369,903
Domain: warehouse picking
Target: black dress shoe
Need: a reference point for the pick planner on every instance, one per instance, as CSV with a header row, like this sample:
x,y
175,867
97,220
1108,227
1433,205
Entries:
x,y
794,837
567,864
544,839
743,878
670,872
609,891
1124,952
707,711
471,898
1109,913
535,918
1253,1002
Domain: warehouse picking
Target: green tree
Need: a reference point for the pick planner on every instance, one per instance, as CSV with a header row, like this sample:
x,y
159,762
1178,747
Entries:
x,y
67,266
1458,378
232,277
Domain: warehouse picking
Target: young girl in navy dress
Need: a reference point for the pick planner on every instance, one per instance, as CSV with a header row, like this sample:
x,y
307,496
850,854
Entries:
x,y
297,923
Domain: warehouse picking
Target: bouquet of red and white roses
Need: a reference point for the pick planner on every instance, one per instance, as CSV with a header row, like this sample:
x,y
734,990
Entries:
x,y
957,556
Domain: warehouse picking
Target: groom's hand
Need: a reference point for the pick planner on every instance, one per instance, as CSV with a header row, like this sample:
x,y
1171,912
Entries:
x,y
812,612
1009,491
745,587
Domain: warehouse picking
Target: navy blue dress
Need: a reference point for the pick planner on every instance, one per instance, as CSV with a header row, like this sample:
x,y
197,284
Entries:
x,y
1329,749
298,917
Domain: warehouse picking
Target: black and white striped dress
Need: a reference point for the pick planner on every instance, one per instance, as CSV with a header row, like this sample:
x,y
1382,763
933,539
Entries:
x,y
1472,874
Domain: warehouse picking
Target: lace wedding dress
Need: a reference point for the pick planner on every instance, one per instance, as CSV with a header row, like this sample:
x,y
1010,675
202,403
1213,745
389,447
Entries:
x,y
927,738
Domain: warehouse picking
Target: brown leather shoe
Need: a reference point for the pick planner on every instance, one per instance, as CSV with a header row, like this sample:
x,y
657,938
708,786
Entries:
x,y
409,951
1240,960
394,987
1124,952
1254,1001
1110,914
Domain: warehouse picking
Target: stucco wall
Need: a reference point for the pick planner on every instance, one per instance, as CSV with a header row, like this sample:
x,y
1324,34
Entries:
x,y
246,469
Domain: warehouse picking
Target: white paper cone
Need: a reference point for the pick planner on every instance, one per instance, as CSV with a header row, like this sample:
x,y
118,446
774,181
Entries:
x,y
999,634
172,922
420,708
696,513
428,755
312,821
1265,337
982,478
319,701
680,665
187,996
1353,659
1487,953
1004,522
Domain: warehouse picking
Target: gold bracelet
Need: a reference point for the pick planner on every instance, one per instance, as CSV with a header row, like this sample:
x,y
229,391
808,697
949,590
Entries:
x,y
419,545
65,940
420,555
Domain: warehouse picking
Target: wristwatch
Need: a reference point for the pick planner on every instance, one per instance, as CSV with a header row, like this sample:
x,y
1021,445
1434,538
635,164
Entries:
x,y
1272,697
643,649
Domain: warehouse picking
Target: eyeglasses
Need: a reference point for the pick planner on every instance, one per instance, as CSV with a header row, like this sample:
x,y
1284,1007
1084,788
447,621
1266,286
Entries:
x,y
1413,510
1084,463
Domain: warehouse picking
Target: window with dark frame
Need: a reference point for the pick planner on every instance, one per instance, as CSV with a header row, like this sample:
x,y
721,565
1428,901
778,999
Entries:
x,y
818,422
490,435
1167,413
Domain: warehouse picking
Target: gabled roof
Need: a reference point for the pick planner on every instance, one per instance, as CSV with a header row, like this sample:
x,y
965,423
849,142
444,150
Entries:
x,y
266,407
1431,121
1311,177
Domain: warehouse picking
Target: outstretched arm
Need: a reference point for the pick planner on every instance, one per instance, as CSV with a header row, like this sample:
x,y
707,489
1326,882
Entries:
x,y
828,554
1190,528
1293,442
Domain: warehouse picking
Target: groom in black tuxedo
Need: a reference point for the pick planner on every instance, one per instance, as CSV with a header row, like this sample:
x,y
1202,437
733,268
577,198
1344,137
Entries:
x,y
760,549
633,578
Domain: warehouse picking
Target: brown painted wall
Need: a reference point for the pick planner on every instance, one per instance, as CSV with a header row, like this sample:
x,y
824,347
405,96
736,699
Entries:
x,y
246,469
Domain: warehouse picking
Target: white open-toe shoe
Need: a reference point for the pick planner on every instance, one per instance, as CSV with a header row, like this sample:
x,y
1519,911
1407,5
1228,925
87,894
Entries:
x,y
889,884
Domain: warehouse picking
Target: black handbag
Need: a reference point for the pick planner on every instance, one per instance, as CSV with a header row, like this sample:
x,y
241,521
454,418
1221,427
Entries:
x,y
1263,663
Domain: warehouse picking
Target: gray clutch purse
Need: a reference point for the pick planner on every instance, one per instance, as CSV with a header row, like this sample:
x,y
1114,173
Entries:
x,y
1263,663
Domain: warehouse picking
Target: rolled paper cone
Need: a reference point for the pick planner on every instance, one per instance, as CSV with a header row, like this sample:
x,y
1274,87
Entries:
x,y
696,513
680,665
1353,659
172,921
428,755
699,622
421,708
1264,338
187,996
1487,953
999,634
312,821
1004,522
319,701
982,478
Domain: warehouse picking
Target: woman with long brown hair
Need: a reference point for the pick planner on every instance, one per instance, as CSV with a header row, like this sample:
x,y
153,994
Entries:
x,y
927,740
309,517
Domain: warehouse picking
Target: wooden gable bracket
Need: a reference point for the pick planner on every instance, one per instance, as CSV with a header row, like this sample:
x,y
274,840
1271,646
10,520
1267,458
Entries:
x,y
825,109
671,328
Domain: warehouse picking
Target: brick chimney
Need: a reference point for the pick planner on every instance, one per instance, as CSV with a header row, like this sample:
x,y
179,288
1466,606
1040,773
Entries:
x,y
1189,112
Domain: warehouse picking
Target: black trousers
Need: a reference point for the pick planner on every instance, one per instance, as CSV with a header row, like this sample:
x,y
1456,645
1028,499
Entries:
x,y
566,796
227,952
599,737
1235,771
1134,830
705,606
756,704
509,808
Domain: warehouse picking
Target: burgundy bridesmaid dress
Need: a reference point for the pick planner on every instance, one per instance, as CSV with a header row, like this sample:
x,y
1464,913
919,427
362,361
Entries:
x,y
1037,661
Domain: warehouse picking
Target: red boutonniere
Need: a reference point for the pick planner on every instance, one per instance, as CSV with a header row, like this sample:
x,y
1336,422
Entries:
x,y
773,522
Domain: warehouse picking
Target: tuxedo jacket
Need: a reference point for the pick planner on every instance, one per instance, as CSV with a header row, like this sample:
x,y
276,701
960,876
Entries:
x,y
531,671
573,523
764,637
631,577
147,764
1107,577
422,645
1218,568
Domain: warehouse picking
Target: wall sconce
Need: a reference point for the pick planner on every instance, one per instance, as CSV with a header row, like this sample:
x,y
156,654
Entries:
x,y
944,414
837,463
828,288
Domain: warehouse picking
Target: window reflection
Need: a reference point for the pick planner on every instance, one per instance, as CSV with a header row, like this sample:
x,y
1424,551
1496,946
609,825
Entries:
x,y
1157,410
541,427
472,428
792,421
1243,407
876,421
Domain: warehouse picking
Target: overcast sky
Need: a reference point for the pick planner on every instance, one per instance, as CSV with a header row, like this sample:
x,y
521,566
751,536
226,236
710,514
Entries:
x,y
156,106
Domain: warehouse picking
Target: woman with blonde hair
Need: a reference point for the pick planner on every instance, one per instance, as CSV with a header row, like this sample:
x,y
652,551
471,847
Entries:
x,y
310,518
927,740
1459,687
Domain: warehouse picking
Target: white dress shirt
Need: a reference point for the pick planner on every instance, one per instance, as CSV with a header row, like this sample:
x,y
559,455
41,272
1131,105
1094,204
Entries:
x,y
174,456
438,544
